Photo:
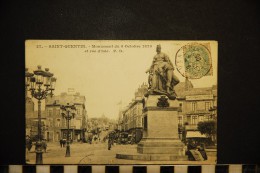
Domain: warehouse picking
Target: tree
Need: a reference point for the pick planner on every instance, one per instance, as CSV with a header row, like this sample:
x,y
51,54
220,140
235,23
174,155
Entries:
x,y
209,128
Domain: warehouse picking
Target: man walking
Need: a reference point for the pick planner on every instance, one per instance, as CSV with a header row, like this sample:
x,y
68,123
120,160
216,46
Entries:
x,y
61,143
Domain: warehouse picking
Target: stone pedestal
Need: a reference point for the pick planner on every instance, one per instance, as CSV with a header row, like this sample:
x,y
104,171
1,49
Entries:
x,y
160,134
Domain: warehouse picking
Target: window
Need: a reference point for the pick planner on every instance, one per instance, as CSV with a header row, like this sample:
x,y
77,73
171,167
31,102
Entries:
x,y
180,105
58,111
139,121
58,122
206,117
57,136
201,118
51,123
180,120
194,119
211,117
65,122
78,111
193,106
56,102
49,112
207,105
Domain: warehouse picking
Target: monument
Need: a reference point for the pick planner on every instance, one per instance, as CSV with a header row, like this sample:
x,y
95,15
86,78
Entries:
x,y
161,77
160,115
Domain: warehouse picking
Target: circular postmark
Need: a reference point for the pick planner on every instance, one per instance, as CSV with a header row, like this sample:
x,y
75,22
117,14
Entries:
x,y
193,61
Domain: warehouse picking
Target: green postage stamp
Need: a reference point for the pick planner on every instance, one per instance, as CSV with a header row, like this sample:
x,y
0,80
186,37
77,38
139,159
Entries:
x,y
197,60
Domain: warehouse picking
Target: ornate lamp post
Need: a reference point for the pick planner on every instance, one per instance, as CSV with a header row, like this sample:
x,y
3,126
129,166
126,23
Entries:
x,y
68,112
41,84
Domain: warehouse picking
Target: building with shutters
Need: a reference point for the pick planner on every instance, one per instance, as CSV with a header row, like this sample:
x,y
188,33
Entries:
x,y
196,105
57,125
130,118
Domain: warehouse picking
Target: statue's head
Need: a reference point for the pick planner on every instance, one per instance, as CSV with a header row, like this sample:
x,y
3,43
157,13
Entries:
x,y
158,48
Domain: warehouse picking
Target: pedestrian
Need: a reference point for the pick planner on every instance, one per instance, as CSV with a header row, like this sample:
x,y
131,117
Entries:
x,y
61,143
44,145
202,151
192,145
110,140
28,143
109,143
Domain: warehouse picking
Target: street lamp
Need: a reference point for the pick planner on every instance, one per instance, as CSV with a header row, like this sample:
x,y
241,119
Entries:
x,y
41,84
68,112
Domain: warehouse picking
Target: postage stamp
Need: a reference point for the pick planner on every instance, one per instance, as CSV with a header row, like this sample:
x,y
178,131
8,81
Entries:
x,y
121,102
197,60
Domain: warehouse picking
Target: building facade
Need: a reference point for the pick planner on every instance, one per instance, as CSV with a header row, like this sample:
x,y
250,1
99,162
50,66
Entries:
x,y
57,125
196,105
130,118
31,120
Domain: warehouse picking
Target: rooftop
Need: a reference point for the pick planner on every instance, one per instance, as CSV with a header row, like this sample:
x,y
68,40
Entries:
x,y
65,98
186,88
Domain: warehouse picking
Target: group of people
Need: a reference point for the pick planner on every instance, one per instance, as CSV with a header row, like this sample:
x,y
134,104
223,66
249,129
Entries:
x,y
29,144
93,138
62,142
195,151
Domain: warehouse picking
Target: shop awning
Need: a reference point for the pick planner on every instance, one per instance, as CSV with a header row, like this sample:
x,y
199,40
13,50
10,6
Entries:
x,y
195,134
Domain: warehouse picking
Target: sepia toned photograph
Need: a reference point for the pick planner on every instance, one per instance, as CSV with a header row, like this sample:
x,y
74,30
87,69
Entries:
x,y
121,102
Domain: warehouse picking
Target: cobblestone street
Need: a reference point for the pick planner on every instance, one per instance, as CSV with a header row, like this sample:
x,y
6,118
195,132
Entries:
x,y
97,153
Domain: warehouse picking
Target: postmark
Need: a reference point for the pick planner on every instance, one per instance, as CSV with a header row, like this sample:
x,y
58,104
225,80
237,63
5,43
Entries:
x,y
194,60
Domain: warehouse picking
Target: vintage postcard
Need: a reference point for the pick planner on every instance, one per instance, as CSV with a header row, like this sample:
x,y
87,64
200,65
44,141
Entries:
x,y
121,102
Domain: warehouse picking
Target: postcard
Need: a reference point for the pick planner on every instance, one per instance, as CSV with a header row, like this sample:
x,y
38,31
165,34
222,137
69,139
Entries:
x,y
121,102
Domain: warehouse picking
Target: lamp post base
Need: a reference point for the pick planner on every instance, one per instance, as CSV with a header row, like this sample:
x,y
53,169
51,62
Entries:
x,y
67,151
39,153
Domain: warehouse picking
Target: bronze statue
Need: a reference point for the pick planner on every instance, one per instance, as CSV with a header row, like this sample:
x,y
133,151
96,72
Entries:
x,y
161,77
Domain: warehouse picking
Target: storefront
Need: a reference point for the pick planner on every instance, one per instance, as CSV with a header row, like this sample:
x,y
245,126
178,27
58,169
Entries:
x,y
75,134
197,137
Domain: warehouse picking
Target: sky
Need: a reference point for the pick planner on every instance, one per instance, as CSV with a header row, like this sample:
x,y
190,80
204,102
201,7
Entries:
x,y
105,78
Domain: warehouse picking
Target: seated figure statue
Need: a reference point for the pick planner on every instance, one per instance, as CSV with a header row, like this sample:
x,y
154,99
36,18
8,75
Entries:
x,y
161,78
